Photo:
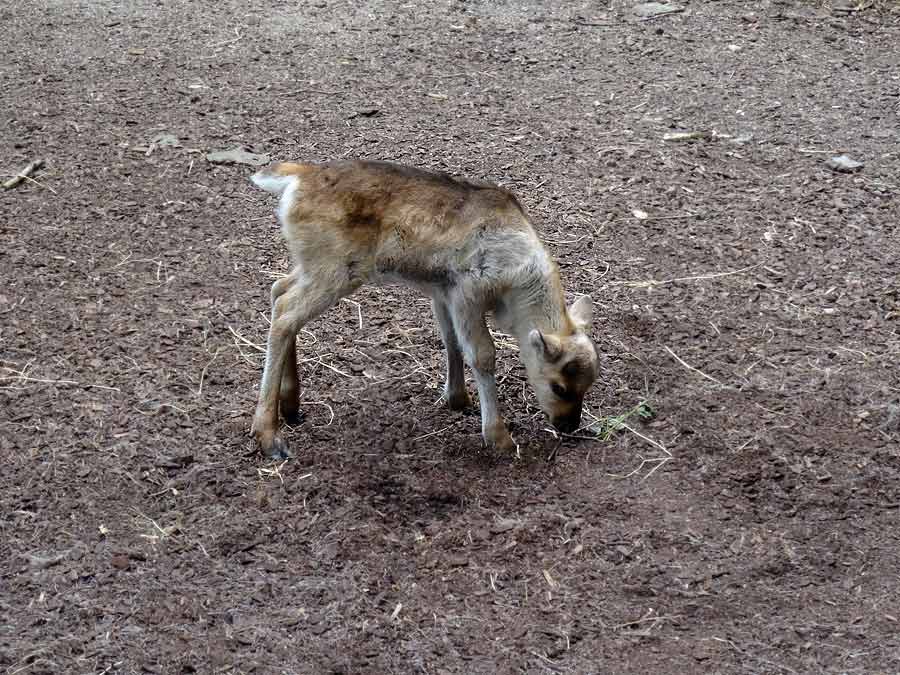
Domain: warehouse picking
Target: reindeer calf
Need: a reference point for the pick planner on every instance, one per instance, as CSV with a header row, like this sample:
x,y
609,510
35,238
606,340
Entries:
x,y
467,245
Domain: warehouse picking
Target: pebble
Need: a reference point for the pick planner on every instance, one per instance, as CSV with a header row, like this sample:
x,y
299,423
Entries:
x,y
236,156
844,164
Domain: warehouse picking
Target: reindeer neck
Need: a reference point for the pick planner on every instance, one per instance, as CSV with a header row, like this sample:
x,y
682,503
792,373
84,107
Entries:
x,y
536,301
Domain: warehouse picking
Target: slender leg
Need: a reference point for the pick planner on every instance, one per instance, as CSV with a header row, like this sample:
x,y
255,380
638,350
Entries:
x,y
303,301
478,350
289,391
455,386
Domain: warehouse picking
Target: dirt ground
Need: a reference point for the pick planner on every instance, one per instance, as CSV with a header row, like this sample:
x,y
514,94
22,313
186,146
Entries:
x,y
745,293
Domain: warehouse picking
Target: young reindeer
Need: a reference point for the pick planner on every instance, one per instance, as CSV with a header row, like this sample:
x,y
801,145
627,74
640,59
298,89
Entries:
x,y
467,245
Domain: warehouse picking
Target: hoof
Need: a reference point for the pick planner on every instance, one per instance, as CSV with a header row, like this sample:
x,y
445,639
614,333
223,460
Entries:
x,y
292,418
500,440
279,449
274,448
459,401
504,445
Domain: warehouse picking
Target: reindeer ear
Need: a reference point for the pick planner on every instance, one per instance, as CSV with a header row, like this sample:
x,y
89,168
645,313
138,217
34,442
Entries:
x,y
545,344
581,312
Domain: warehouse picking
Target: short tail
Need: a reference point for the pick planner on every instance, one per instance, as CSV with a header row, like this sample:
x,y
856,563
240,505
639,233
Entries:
x,y
278,177
273,182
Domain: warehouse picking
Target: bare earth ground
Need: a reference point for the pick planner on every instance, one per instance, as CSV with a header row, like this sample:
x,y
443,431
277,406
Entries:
x,y
748,293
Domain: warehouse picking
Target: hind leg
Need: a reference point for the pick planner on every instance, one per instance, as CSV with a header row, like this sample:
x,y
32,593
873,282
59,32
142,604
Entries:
x,y
289,389
455,386
300,302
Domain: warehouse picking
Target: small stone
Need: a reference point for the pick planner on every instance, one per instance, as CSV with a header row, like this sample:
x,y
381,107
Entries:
x,y
120,562
165,141
844,164
503,525
42,562
457,560
236,156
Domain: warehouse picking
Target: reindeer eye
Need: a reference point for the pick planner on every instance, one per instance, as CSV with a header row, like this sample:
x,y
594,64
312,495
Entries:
x,y
558,390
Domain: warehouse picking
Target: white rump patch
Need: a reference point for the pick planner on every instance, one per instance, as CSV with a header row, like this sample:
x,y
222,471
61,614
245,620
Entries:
x,y
286,186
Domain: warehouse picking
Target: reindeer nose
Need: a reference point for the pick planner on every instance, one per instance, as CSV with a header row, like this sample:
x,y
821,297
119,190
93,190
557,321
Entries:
x,y
569,423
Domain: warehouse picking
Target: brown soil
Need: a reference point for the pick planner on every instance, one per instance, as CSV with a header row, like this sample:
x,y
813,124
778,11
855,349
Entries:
x,y
755,308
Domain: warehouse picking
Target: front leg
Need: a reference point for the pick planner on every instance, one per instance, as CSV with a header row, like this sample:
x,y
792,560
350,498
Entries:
x,y
479,352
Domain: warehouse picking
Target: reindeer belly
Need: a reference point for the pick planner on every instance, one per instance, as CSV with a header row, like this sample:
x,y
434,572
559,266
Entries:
x,y
431,266
429,275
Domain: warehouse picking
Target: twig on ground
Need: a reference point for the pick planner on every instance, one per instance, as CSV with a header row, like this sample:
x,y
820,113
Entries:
x,y
650,617
23,174
555,451
420,369
547,663
659,462
319,359
565,242
164,532
863,354
324,405
691,368
646,438
594,24
155,411
39,184
400,351
274,471
358,309
700,277
20,376
503,340
433,433
659,14
227,42
311,91
203,372
620,423
247,342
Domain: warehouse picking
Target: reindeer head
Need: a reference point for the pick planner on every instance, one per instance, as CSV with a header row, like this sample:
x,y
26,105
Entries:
x,y
562,367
